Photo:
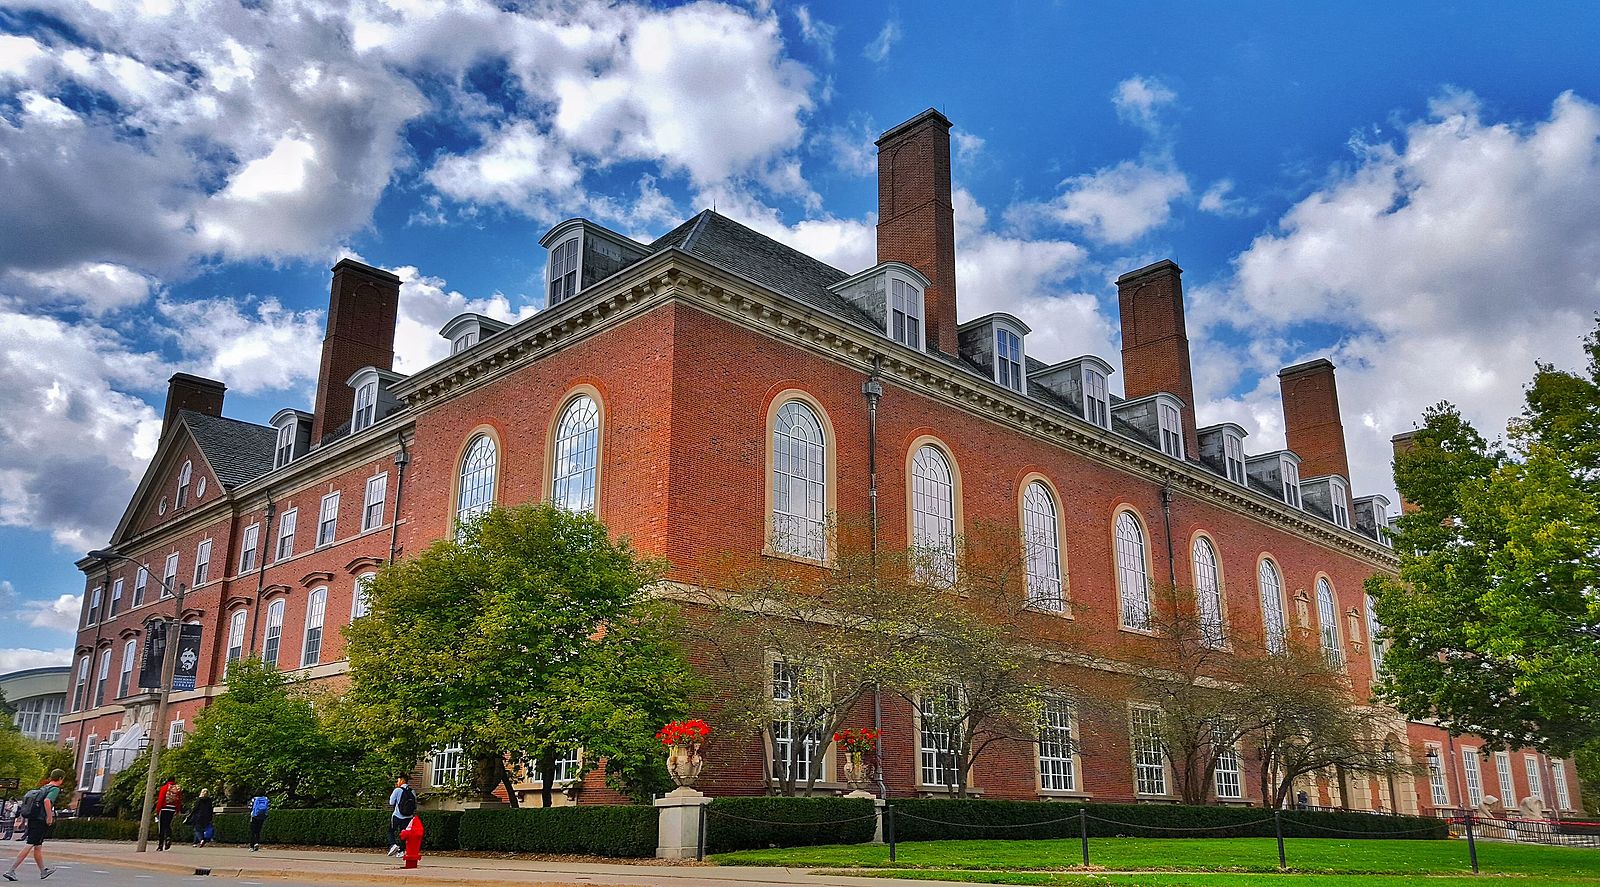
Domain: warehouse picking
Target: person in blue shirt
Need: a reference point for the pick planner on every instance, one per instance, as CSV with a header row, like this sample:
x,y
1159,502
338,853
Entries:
x,y
258,818
403,802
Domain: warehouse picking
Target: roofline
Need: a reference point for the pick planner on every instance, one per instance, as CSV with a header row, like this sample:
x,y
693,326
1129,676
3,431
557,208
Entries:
x,y
38,670
991,317
1223,426
897,129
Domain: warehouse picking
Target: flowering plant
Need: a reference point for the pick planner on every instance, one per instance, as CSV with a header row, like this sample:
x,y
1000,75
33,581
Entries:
x,y
684,732
865,740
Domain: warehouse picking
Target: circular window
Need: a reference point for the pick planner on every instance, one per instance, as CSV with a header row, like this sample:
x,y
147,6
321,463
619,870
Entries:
x,y
162,508
200,488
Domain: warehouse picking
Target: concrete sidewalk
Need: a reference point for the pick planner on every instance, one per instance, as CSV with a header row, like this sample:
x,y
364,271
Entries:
x,y
372,867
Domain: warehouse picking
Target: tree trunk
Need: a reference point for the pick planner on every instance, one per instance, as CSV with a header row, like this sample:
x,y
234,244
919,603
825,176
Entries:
x,y
547,776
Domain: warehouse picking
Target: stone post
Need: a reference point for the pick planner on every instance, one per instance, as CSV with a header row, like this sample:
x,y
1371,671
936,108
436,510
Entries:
x,y
678,823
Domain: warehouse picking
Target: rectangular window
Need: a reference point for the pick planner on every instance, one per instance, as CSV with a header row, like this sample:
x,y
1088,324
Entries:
x,y
1376,645
1233,457
1170,421
116,598
175,734
1229,776
316,609
940,710
202,563
93,614
1008,358
1149,761
905,314
140,579
249,545
1291,483
366,407
1340,500
568,766
130,654
91,762
1474,777
1096,403
328,520
83,680
1558,774
1530,765
1057,749
40,718
446,766
789,748
103,678
372,506
1502,770
1441,792
286,534
169,575
563,271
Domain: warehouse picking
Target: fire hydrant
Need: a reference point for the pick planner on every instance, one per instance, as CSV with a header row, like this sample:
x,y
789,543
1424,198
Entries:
x,y
412,836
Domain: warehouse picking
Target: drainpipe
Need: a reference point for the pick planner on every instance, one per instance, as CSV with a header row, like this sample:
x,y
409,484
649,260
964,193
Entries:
x,y
1166,523
872,389
261,567
401,460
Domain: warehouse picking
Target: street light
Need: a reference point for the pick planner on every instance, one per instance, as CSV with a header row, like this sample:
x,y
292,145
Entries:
x,y
169,664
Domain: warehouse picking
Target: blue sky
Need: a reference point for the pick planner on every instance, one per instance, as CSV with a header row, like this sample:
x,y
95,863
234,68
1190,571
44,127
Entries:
x,y
1410,189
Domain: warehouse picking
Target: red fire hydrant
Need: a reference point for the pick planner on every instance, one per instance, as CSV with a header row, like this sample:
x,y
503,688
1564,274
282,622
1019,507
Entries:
x,y
412,836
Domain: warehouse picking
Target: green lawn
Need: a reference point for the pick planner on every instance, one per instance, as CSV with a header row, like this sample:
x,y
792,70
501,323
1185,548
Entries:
x,y
1213,879
1333,856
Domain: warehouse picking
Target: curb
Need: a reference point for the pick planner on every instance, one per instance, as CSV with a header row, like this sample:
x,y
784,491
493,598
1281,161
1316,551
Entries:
x,y
388,877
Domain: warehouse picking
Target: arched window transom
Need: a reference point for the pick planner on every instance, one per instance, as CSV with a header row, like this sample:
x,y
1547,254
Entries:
x,y
799,482
1272,617
1041,541
1328,623
1133,573
478,468
933,515
576,463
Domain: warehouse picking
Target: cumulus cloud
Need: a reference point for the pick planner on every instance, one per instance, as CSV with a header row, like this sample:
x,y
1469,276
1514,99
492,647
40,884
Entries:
x,y
426,305
1220,200
254,345
1113,205
879,48
1139,100
95,286
60,614
19,658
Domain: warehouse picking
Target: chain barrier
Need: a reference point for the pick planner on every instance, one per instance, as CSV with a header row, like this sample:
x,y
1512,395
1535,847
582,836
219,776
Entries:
x,y
719,814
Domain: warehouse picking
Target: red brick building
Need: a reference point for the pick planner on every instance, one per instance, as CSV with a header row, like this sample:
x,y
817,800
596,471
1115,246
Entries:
x,y
707,392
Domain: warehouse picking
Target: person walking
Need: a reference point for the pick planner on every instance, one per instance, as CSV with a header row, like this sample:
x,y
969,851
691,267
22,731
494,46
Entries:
x,y
404,803
8,820
201,817
258,819
169,803
38,808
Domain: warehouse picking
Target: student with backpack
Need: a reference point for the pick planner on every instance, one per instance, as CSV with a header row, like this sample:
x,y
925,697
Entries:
x,y
404,802
38,810
258,818
201,818
169,803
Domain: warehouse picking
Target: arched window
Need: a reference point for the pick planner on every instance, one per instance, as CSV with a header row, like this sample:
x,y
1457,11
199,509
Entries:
x,y
361,601
1133,575
274,636
184,475
799,482
933,515
236,636
1272,618
316,611
1376,644
477,479
576,458
1041,545
1208,593
1328,622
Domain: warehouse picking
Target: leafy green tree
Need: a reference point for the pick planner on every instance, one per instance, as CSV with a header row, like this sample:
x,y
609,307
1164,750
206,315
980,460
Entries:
x,y
7,712
1494,621
21,758
1587,759
528,633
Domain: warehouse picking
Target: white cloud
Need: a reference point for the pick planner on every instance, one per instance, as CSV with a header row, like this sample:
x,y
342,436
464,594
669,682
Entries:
x,y
426,305
967,145
96,286
60,614
1219,199
19,658
878,50
517,166
254,345
1113,205
1139,100
850,148
815,31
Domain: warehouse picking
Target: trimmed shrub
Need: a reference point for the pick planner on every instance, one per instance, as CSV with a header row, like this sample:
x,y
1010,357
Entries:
x,y
98,830
348,827
755,823
946,819
595,830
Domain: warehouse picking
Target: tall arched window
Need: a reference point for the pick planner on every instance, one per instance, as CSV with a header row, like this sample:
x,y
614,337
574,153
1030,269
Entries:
x,y
933,515
316,611
1328,623
1208,593
576,457
799,482
1272,618
1041,545
184,475
477,479
1133,574
236,636
274,636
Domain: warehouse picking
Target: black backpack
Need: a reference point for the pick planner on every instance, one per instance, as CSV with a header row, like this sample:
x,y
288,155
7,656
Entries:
x,y
32,806
408,802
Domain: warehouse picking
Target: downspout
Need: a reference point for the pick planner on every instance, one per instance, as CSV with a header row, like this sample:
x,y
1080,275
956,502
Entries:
x,y
261,567
401,460
1166,523
872,389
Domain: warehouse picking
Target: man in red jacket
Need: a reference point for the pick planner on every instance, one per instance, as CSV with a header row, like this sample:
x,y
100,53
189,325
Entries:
x,y
169,802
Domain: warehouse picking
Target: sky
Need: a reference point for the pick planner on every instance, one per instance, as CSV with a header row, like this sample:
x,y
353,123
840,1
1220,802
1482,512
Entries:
x,y
1409,189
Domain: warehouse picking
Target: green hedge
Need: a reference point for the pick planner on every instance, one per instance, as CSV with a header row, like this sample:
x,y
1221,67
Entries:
x,y
596,831
98,830
311,828
944,819
755,823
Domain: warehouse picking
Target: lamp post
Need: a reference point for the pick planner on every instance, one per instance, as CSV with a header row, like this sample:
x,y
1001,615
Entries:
x,y
169,664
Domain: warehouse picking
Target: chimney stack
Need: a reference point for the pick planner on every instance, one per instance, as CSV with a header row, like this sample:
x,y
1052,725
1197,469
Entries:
x,y
1311,423
362,309
186,392
1155,341
1404,442
916,221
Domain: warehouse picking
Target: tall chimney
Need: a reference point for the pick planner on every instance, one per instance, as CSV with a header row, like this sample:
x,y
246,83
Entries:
x,y
916,221
362,309
186,392
1155,342
1404,442
1311,421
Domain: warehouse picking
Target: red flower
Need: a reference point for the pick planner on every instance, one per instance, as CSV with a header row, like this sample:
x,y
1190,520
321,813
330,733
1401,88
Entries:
x,y
684,732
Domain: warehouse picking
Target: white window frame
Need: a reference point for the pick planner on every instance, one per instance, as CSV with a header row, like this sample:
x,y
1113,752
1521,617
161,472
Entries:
x,y
1328,624
272,637
1057,746
1210,603
1377,646
103,677
575,462
1530,765
1502,772
799,482
185,475
176,733
1274,613
328,520
130,654
1149,758
1438,788
79,689
562,282
360,602
1133,572
786,680
569,766
236,626
141,582
202,563
937,744
1096,398
1169,422
1473,776
249,548
448,762
1291,481
91,761
316,616
1009,362
116,597
366,407
906,320
1339,499
283,450
1041,545
1558,775
1233,457
169,575
287,524
476,477
933,515
373,501
1228,776
92,614
463,342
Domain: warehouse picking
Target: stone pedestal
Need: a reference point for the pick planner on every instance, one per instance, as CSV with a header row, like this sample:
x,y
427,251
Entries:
x,y
678,823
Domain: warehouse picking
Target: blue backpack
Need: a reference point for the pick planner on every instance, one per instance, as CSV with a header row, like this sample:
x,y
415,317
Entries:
x,y
258,805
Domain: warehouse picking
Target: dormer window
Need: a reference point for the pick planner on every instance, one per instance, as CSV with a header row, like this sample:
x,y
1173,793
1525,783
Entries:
x,y
294,436
366,406
1170,421
373,400
905,313
1291,483
467,330
1008,358
284,452
464,341
1233,457
1339,498
563,272
1096,401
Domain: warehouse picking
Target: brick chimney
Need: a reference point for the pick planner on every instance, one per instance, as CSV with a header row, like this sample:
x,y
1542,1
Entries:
x,y
362,309
1155,342
1311,423
916,222
1404,442
186,392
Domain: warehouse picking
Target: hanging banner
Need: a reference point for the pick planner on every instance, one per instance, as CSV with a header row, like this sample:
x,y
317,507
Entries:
x,y
183,676
155,651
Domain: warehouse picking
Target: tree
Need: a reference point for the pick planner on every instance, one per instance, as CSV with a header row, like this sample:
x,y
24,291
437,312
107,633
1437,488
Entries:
x,y
7,711
1493,624
525,634
21,758
265,735
1587,760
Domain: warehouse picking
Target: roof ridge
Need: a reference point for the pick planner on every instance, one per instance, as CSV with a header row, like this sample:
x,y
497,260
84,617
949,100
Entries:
x,y
188,412
699,222
780,244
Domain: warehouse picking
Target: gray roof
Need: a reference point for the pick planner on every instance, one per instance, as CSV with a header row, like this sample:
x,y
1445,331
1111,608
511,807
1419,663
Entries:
x,y
236,451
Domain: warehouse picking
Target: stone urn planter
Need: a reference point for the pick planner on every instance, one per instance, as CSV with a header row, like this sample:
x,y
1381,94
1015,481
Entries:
x,y
685,742
859,757
859,773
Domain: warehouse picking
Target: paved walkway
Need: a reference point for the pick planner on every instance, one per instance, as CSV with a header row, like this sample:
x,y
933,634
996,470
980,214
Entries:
x,y
357,867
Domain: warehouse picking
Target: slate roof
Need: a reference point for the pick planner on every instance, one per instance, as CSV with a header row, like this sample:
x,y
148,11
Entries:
x,y
237,451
